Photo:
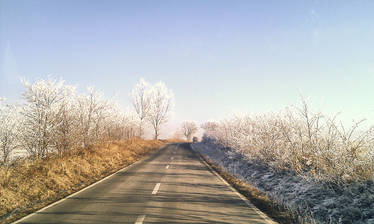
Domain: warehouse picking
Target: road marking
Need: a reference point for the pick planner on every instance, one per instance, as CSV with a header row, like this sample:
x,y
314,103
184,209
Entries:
x,y
167,167
140,219
156,188
72,195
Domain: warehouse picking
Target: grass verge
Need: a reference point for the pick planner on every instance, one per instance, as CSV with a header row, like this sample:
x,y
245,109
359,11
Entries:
x,y
275,211
33,184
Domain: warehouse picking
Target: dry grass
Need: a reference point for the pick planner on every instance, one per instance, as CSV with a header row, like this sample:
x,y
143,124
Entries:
x,y
32,184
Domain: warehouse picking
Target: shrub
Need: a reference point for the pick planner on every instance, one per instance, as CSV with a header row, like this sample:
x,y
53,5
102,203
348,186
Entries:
x,y
308,143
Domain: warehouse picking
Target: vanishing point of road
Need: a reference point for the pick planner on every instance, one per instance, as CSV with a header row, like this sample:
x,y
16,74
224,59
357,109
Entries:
x,y
172,185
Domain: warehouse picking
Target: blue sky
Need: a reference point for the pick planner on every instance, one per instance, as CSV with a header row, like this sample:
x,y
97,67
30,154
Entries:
x,y
219,57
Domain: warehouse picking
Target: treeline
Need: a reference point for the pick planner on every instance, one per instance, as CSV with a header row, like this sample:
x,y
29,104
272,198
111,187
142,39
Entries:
x,y
300,140
54,118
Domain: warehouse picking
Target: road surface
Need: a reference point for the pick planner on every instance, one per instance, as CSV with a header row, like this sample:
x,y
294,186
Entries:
x,y
172,185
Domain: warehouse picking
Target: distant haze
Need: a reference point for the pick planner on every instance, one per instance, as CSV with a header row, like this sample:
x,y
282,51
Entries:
x,y
219,57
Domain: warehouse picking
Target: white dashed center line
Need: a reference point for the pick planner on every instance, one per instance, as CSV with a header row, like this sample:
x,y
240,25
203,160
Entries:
x,y
156,188
167,167
140,219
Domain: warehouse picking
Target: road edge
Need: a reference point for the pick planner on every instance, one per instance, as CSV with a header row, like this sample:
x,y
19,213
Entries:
x,y
246,201
89,186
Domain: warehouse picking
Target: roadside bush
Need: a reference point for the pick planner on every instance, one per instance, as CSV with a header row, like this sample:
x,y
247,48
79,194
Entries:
x,y
52,118
297,139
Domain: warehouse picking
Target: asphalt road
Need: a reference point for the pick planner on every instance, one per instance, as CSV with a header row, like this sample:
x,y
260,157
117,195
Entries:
x,y
170,186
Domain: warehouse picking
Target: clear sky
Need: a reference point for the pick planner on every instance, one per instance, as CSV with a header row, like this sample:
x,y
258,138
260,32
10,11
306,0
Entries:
x,y
219,57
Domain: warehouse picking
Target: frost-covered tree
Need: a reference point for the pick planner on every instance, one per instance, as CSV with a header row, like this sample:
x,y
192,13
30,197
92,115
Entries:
x,y
66,132
116,123
91,115
129,125
307,142
54,119
162,102
41,112
141,101
178,134
210,126
9,131
189,128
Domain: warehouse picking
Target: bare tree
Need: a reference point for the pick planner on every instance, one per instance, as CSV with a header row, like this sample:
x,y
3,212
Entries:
x,y
178,134
210,126
91,115
189,128
9,131
141,101
53,119
66,132
41,112
162,102
129,126
307,142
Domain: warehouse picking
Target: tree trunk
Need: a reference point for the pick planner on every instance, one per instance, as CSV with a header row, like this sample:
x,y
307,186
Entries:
x,y
156,134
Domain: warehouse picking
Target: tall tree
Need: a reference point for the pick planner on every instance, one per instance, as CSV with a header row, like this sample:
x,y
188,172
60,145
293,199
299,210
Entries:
x,y
92,111
9,131
42,110
141,101
189,128
162,102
